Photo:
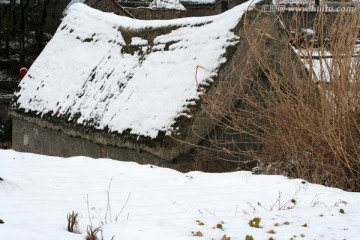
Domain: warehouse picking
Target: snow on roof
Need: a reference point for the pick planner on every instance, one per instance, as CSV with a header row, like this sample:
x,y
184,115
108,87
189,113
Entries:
x,y
92,73
167,4
198,1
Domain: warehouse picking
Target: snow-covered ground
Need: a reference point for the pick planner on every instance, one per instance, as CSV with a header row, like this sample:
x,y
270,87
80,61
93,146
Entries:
x,y
157,203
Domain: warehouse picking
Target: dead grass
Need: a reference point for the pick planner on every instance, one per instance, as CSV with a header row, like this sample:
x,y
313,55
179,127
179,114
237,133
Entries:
x,y
292,120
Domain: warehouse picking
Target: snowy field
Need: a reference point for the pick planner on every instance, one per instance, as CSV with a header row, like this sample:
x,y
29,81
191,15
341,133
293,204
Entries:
x,y
148,202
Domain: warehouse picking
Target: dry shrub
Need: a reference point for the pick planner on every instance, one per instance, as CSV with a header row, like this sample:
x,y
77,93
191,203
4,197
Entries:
x,y
291,119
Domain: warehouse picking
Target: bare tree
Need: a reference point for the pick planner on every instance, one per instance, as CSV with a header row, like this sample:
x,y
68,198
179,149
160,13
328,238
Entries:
x,y
8,17
39,38
24,4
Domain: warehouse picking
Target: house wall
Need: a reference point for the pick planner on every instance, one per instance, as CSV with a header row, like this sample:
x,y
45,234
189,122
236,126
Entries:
x,y
30,137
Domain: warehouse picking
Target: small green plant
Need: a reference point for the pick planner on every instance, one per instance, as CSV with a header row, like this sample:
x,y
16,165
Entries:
x,y
304,225
92,232
219,226
341,211
201,224
73,222
255,222
271,231
249,237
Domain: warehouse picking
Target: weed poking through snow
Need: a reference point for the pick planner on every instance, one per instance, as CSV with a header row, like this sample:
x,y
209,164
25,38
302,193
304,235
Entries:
x,y
73,222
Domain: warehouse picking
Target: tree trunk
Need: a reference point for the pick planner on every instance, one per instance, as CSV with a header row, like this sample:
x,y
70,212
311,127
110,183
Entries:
x,y
23,7
7,44
42,23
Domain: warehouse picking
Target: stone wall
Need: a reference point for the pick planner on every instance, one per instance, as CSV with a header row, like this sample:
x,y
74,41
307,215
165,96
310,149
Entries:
x,y
30,137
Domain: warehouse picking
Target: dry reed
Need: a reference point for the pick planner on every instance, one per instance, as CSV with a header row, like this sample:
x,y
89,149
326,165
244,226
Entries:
x,y
307,124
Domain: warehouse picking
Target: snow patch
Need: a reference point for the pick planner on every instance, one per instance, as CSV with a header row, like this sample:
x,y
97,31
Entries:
x,y
167,4
138,41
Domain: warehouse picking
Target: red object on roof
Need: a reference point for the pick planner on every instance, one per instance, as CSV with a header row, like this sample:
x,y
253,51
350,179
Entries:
x,y
23,72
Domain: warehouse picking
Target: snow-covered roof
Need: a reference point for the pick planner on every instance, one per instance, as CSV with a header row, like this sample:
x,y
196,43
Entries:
x,y
167,4
198,1
110,72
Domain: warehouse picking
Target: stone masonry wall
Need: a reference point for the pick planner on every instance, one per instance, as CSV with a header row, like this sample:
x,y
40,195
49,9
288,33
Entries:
x,y
30,137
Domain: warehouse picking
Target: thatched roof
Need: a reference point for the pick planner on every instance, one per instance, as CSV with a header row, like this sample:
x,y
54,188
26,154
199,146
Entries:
x,y
139,82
